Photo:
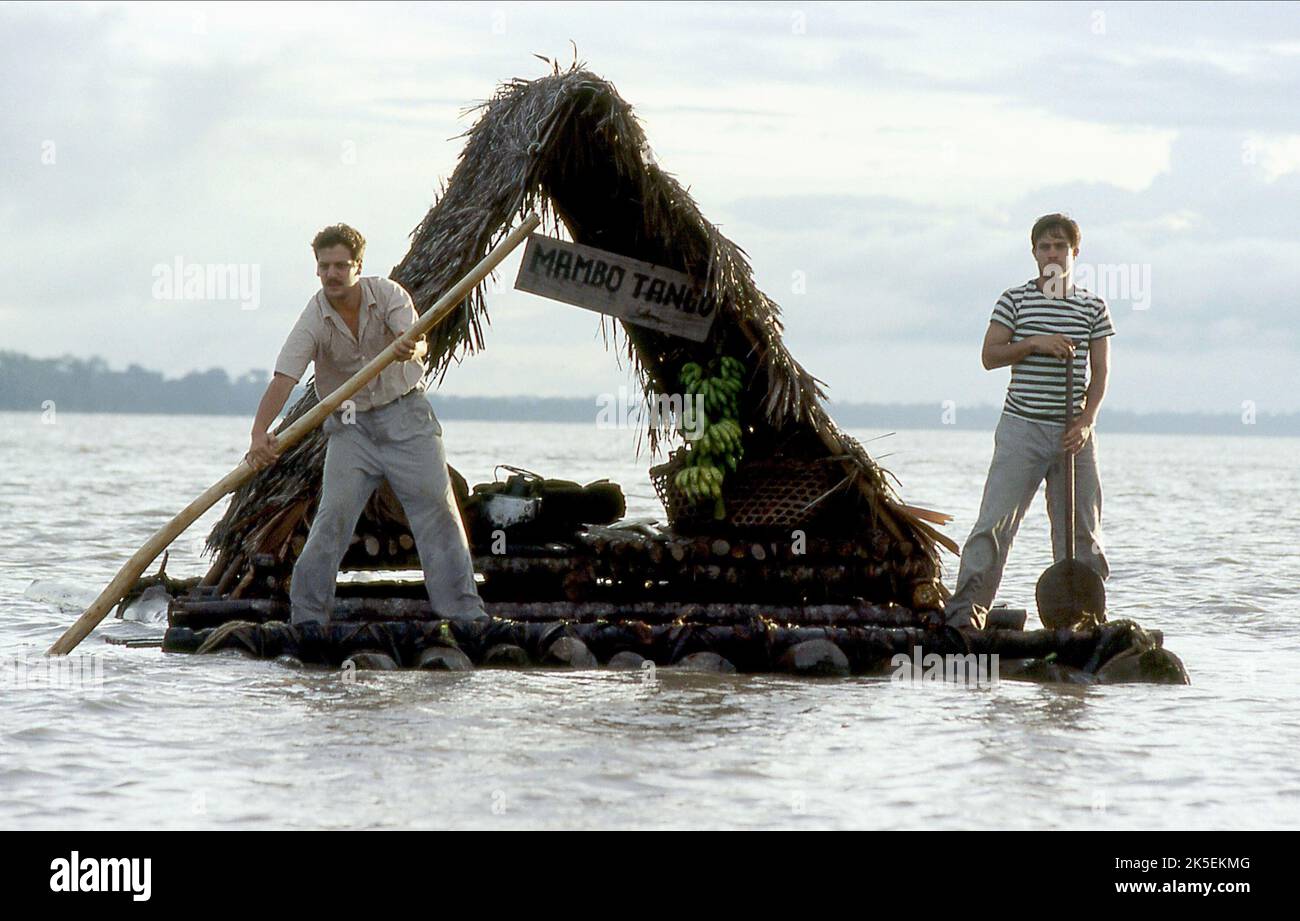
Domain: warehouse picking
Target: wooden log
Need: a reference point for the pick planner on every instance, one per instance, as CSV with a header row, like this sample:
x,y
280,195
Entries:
x,y
578,584
244,583
228,577
371,544
542,586
817,658
708,662
372,660
517,564
506,655
626,661
444,658
406,541
202,613
637,577
568,652
762,646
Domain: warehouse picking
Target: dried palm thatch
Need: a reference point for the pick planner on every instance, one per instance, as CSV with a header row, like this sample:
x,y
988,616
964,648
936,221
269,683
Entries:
x,y
569,147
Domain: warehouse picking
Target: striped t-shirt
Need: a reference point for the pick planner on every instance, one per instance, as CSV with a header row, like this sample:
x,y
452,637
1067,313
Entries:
x,y
1037,389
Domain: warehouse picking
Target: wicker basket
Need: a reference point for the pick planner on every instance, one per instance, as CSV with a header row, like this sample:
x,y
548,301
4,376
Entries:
x,y
780,492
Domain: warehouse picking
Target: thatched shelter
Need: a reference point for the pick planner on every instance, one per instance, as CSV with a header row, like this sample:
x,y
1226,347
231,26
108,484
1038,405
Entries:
x,y
569,147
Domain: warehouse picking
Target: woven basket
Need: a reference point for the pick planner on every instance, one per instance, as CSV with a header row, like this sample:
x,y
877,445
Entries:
x,y
779,492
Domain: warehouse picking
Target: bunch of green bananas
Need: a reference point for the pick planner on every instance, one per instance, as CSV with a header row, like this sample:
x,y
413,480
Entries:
x,y
719,444
721,394
700,481
722,440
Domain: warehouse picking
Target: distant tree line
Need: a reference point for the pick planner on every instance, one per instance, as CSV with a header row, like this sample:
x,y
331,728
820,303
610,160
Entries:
x,y
89,385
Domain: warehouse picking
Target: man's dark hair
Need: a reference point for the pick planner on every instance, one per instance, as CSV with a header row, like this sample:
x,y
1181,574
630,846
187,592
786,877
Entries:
x,y
1067,227
340,233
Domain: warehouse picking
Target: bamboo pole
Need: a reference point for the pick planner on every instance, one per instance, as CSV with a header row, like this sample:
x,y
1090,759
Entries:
x,y
140,561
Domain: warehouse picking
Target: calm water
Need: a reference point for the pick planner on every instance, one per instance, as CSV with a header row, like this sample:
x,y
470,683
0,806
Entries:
x,y
1202,535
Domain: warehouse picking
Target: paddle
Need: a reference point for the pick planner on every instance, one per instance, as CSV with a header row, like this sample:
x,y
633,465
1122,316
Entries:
x,y
1069,589
138,563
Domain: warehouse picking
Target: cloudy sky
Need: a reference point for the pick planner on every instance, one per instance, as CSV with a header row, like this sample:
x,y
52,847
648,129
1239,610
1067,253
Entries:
x,y
880,164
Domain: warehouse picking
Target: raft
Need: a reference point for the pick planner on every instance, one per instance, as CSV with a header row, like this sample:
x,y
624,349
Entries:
x,y
606,624
1112,653
785,548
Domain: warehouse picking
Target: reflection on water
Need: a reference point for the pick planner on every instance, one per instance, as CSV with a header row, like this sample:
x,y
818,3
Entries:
x,y
223,741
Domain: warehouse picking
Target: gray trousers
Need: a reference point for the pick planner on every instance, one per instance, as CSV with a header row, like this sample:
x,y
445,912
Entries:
x,y
1024,453
400,441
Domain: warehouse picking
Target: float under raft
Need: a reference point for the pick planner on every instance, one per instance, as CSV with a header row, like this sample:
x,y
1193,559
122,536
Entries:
x,y
1112,653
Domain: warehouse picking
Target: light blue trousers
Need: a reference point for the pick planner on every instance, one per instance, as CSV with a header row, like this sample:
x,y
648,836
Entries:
x,y
400,441
1024,454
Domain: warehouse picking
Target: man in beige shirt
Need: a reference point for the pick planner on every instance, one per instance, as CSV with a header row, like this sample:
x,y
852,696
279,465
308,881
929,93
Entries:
x,y
386,431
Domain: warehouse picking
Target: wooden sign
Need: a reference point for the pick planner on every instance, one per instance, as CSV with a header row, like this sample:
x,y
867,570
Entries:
x,y
637,292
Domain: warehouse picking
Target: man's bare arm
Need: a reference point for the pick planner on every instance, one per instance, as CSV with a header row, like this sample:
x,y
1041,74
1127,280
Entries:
x,y
262,447
999,351
1075,435
1099,366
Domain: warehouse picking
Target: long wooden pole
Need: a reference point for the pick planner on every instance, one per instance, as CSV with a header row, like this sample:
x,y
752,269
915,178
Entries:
x,y
138,563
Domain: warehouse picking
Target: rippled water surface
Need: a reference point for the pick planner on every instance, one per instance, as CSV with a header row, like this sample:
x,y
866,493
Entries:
x,y
1202,535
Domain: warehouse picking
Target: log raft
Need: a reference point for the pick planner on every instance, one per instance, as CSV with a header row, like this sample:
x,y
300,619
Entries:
x,y
613,564
610,597
1111,653
199,613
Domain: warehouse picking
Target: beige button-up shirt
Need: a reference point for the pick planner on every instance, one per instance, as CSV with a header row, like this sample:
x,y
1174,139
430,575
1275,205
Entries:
x,y
322,336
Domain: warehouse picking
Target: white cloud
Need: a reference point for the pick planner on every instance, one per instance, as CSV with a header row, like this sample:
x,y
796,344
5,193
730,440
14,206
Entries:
x,y
1276,156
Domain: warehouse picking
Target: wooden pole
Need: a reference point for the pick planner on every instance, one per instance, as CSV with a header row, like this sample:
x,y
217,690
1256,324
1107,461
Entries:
x,y
139,562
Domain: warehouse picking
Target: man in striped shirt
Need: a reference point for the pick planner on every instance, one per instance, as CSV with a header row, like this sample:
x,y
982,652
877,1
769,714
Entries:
x,y
1035,328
